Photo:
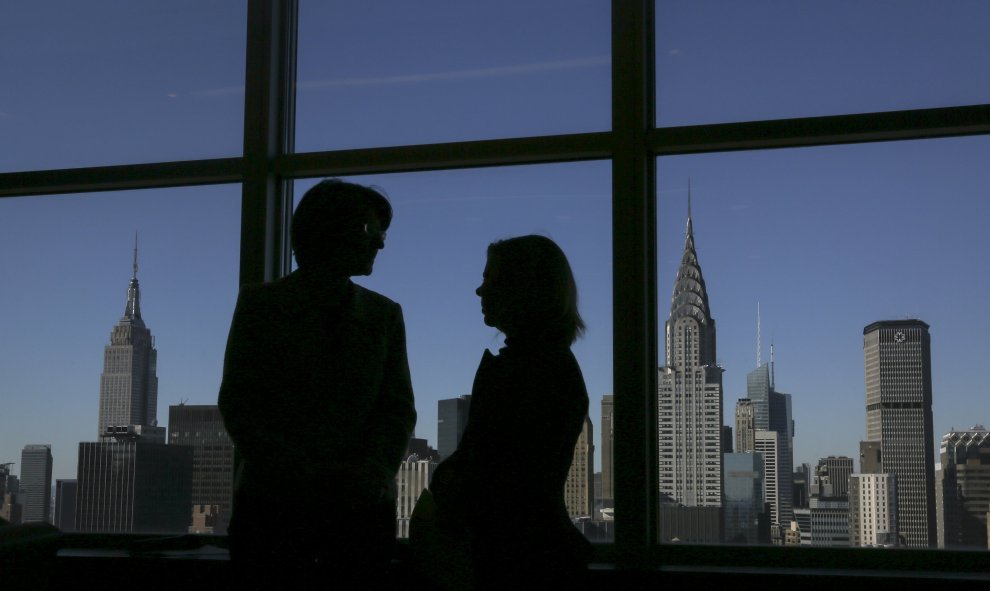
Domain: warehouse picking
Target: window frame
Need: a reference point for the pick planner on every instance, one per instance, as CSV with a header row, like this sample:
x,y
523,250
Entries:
x,y
268,167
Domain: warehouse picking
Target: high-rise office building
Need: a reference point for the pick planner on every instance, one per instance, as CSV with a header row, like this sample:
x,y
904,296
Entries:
x,y
412,478
746,520
65,505
579,488
963,488
36,483
768,445
129,384
897,355
200,426
690,411
745,426
452,416
772,412
133,486
608,483
873,510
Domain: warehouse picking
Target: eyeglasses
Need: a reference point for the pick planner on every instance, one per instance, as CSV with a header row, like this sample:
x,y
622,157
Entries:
x,y
370,232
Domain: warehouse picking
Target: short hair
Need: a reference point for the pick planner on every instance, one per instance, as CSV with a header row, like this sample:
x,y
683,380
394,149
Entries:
x,y
535,266
327,209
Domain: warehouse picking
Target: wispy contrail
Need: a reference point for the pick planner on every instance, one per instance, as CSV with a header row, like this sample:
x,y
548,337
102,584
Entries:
x,y
493,72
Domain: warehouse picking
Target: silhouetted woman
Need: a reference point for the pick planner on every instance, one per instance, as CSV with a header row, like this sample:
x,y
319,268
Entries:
x,y
502,492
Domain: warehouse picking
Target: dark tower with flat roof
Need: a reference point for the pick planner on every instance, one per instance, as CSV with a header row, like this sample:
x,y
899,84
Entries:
x,y
897,355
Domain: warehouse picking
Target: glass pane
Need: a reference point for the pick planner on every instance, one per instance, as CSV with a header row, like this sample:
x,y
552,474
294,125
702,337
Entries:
x,y
103,82
92,340
397,73
801,251
742,61
432,263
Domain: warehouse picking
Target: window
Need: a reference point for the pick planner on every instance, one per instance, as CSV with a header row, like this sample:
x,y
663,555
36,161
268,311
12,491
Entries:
x,y
648,121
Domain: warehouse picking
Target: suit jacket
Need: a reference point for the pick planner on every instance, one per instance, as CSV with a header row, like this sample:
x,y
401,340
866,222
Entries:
x,y
316,396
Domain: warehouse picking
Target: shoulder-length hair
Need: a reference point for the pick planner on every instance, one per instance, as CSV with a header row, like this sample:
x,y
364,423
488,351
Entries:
x,y
535,268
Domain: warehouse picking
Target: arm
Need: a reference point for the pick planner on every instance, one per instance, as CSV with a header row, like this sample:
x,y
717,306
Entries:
x,y
393,415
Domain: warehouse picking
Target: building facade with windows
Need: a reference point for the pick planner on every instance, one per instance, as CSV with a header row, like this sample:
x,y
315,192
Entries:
x,y
963,488
690,410
897,355
129,382
36,483
200,427
452,416
579,488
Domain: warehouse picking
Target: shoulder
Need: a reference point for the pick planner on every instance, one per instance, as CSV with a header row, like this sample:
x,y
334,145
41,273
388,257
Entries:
x,y
373,302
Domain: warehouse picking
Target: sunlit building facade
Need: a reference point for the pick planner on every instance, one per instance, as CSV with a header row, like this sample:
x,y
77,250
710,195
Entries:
x,y
690,411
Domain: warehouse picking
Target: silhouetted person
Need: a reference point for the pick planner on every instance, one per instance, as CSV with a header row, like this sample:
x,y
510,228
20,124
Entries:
x,y
501,494
317,398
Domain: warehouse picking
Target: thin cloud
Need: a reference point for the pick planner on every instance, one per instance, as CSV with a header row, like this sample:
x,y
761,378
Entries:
x,y
476,73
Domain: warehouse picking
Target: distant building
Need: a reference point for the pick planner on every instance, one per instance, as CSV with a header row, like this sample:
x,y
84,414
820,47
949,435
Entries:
x,y
422,449
411,480
607,496
873,510
65,505
131,486
579,488
129,382
200,427
832,477
767,444
744,510
963,488
36,483
452,416
897,356
690,411
772,412
745,427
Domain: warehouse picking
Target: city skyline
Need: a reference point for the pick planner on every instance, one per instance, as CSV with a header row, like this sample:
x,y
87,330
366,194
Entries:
x,y
788,228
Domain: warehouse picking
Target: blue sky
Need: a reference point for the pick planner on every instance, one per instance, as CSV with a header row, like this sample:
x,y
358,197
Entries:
x,y
826,239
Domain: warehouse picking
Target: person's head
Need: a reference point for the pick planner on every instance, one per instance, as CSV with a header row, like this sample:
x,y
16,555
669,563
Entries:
x,y
528,287
339,227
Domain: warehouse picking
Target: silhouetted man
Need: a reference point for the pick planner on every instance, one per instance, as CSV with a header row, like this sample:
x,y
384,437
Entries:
x,y
317,398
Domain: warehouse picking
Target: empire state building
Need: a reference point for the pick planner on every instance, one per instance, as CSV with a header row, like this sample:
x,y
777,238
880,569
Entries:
x,y
690,411
129,384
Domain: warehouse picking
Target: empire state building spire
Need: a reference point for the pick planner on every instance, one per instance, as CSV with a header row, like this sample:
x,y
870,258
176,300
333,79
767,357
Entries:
x,y
132,311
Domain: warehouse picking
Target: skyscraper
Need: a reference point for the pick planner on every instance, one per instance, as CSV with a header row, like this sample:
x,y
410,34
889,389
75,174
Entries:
x,y
897,355
129,384
772,413
200,426
579,489
65,505
36,482
452,416
608,482
690,410
963,488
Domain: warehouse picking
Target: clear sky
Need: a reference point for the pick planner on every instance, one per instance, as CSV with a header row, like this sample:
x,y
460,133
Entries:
x,y
826,239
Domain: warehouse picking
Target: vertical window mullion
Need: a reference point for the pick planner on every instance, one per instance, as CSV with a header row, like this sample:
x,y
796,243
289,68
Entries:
x,y
634,281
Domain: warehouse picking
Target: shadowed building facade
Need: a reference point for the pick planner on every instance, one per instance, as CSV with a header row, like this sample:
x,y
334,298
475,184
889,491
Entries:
x,y
200,427
452,416
690,411
36,483
963,488
897,356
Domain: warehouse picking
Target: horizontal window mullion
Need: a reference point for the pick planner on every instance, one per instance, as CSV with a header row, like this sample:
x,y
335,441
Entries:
x,y
424,157
820,131
116,178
